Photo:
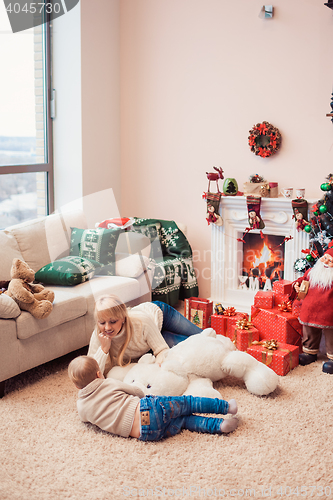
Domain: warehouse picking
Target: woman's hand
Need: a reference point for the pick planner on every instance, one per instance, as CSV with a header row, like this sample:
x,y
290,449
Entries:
x,y
105,341
161,356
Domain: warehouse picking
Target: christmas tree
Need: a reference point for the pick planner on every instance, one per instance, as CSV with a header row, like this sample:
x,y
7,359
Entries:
x,y
320,227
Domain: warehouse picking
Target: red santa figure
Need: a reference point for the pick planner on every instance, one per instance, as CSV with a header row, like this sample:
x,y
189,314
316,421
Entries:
x,y
316,314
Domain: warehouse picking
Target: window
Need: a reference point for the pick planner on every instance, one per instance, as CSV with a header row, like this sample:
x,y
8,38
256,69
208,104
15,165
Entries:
x,y
26,165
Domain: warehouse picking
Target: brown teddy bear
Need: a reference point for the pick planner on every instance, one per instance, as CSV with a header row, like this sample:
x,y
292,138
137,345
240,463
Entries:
x,y
30,297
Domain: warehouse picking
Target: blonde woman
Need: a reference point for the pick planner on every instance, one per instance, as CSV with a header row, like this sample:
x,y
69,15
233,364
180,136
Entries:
x,y
122,335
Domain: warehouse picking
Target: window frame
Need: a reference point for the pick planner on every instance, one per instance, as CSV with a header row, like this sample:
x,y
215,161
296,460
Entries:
x,y
42,167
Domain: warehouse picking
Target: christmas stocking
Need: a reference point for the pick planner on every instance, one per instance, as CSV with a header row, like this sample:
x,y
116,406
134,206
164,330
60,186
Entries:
x,y
300,209
213,204
253,208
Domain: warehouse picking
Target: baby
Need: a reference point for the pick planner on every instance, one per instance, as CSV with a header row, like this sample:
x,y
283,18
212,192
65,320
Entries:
x,y
124,410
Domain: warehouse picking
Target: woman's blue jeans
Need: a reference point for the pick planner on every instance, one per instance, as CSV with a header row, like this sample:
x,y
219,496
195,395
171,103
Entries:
x,y
165,416
175,326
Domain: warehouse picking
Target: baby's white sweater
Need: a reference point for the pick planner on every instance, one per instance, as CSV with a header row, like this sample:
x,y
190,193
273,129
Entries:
x,y
109,404
147,320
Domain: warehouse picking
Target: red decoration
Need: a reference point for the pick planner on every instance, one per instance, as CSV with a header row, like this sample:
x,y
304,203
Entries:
x,y
264,299
280,357
243,337
212,176
226,324
264,139
198,311
229,311
276,324
282,287
219,324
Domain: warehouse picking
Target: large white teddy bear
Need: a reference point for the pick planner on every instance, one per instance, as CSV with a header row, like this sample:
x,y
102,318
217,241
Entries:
x,y
193,365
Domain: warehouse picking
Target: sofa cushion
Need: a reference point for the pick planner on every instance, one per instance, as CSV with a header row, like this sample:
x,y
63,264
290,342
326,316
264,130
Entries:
x,y
131,266
98,244
127,289
52,234
66,307
9,250
68,271
131,243
32,241
8,307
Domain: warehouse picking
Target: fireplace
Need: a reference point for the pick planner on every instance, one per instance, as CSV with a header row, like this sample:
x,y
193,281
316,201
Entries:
x,y
263,260
237,268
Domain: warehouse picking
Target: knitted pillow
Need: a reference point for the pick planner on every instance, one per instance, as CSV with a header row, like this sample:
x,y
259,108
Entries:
x,y
97,244
68,271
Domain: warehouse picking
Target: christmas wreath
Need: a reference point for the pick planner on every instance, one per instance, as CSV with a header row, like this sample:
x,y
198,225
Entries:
x,y
264,139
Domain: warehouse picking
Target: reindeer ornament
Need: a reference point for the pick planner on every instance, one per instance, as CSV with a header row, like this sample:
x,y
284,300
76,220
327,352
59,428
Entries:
x,y
212,176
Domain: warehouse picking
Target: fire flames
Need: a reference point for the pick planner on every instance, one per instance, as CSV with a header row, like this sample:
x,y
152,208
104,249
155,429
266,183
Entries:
x,y
265,256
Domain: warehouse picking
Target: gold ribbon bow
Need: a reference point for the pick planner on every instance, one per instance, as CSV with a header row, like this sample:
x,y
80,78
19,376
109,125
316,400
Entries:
x,y
229,311
285,306
244,324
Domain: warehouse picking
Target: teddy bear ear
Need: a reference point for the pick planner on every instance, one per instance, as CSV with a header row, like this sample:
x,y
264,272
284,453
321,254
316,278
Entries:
x,y
147,359
208,332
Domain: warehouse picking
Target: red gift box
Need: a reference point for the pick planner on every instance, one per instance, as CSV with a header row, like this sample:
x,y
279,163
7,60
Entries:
x,y
282,358
264,299
226,324
296,307
219,324
279,298
276,324
231,324
244,338
198,311
282,286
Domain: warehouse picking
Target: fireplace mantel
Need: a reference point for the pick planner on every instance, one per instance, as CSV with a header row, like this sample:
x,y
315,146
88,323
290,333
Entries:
x,y
227,251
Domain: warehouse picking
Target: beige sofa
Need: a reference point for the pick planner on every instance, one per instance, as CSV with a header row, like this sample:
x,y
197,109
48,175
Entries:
x,y
26,342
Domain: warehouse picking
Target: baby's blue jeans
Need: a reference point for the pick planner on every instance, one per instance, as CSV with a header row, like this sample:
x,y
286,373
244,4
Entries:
x,y
165,416
175,326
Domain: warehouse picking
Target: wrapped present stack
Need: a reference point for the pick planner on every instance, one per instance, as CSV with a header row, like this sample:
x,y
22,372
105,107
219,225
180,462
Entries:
x,y
272,315
280,333
236,326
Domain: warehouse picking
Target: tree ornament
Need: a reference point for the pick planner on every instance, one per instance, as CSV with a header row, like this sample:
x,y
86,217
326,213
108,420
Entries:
x,y
309,258
307,228
264,139
326,186
300,265
323,209
316,213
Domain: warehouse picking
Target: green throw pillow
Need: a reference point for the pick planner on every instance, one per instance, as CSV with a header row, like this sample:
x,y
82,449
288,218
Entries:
x,y
98,244
68,271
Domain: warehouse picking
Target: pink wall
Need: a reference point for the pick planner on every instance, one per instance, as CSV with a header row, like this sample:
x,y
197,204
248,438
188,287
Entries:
x,y
196,75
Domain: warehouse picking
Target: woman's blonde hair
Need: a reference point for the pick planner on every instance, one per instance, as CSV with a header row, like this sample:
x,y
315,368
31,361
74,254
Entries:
x,y
83,370
110,306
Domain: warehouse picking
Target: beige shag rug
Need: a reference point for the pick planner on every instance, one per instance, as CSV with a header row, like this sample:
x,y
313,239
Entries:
x,y
282,447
